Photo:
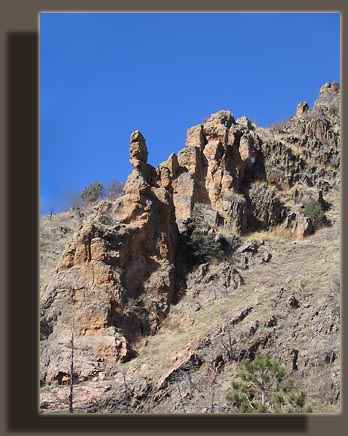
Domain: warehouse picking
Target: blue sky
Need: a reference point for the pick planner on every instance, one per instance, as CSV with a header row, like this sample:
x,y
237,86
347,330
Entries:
x,y
103,76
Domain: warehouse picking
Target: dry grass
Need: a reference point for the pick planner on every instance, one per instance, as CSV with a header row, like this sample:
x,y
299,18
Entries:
x,y
277,234
302,268
305,269
55,233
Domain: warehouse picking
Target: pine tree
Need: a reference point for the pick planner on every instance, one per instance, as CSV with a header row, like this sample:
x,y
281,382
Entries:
x,y
263,387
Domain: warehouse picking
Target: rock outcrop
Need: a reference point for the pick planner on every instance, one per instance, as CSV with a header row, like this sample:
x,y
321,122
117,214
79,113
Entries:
x,y
218,166
239,170
116,279
307,148
299,224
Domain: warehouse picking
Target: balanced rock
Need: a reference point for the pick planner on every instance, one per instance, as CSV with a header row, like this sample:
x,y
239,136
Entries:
x,y
138,149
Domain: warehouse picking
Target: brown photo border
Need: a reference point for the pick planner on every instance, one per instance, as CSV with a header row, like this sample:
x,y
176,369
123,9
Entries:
x,y
19,230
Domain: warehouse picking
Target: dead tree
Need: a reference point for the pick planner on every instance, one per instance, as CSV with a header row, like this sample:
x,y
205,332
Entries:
x,y
181,396
71,394
123,403
229,347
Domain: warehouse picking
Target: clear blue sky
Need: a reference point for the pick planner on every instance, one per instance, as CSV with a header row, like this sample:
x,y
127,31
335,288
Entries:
x,y
103,76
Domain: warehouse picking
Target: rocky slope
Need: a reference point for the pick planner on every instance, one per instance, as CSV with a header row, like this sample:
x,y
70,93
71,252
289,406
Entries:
x,y
155,329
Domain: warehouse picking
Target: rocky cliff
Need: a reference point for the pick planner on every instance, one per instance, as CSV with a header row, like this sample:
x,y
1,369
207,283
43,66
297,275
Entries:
x,y
124,272
115,280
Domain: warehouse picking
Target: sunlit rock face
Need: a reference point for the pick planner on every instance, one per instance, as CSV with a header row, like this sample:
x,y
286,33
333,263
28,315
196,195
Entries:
x,y
116,278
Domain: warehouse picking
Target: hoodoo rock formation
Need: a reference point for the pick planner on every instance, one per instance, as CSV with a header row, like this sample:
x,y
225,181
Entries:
x,y
117,278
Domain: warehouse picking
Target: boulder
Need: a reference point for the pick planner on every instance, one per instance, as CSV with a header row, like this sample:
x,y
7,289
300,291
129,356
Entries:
x,y
300,225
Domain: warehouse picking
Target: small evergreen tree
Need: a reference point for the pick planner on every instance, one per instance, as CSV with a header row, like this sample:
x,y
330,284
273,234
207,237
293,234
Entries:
x,y
92,192
201,244
263,387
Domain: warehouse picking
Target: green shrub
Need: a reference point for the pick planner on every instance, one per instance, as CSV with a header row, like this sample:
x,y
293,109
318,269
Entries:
x,y
203,246
200,242
315,212
263,387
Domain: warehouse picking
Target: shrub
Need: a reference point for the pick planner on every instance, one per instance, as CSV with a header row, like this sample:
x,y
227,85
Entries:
x,y
314,211
203,246
263,387
92,192
200,242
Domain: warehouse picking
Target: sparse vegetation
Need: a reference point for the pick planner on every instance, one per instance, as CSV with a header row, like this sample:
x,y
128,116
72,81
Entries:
x,y
302,289
279,126
96,191
263,387
114,190
92,192
312,114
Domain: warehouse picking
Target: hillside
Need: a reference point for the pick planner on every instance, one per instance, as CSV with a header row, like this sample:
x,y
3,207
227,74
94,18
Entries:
x,y
204,262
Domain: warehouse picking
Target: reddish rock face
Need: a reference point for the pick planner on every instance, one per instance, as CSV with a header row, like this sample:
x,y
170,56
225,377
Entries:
x,y
225,161
220,156
115,281
116,278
